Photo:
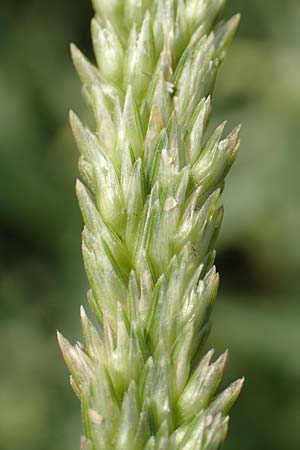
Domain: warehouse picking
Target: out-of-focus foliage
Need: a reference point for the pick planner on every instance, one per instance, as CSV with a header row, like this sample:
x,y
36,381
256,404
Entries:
x,y
42,281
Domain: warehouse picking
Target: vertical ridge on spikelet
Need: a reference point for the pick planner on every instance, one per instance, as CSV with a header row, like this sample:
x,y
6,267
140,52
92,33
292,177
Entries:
x,y
150,182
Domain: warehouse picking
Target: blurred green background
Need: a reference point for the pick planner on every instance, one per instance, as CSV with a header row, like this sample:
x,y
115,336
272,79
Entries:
x,y
41,277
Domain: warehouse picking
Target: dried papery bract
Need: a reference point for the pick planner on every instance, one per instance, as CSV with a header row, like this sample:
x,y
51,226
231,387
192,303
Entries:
x,y
150,181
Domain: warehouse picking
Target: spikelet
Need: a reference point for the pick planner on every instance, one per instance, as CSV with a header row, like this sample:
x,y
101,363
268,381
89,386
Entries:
x,y
150,182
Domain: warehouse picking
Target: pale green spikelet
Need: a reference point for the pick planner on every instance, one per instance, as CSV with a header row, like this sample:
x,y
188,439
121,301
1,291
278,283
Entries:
x,y
151,179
